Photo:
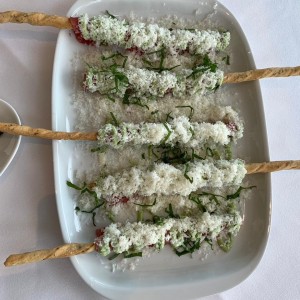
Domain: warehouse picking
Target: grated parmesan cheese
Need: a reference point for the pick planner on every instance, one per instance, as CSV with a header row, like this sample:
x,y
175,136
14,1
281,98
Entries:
x,y
179,130
165,179
143,83
105,30
135,237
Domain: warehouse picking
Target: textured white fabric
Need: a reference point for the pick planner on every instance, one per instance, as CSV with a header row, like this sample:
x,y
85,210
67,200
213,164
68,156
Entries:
x,y
28,215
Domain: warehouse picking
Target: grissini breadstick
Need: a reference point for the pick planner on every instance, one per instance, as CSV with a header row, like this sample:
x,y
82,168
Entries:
x,y
35,18
261,73
272,166
17,129
63,251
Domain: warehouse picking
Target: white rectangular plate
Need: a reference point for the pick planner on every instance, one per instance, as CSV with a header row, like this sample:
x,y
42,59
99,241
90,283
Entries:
x,y
164,275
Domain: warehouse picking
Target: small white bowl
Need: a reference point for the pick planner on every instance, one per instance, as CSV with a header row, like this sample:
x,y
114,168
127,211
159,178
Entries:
x,y
9,144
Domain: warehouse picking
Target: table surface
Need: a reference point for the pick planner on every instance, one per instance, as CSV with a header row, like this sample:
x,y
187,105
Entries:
x,y
28,215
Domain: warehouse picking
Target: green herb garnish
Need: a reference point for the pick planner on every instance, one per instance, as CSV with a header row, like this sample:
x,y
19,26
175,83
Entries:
x,y
226,59
109,14
188,247
146,205
209,242
162,53
114,119
140,216
170,212
154,112
100,149
113,256
187,168
207,65
86,189
187,106
238,192
129,255
226,243
168,134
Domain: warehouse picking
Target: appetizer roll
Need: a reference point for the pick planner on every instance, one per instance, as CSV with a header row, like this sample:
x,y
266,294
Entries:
x,y
180,130
108,30
165,179
135,82
184,235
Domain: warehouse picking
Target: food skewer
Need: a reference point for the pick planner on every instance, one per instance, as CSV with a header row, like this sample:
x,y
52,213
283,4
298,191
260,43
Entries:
x,y
63,251
183,179
129,83
40,19
60,22
137,37
17,129
153,235
179,130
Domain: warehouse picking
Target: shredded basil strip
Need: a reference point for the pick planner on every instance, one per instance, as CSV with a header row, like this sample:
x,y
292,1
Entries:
x,y
74,186
168,116
140,215
168,134
226,243
101,149
170,212
226,59
146,205
85,189
109,14
187,106
188,247
228,152
114,119
129,255
161,67
113,256
92,211
187,168
207,65
158,220
238,192
154,112
209,242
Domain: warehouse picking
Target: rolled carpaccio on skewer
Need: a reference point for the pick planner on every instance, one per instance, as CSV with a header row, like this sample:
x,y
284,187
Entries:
x,y
138,36
146,84
108,30
184,235
210,40
165,179
143,83
177,131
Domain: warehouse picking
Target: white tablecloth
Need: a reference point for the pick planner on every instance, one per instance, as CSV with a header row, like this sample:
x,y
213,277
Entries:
x,y
28,215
